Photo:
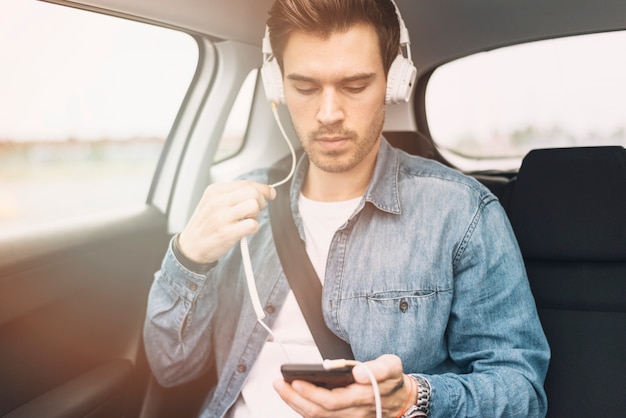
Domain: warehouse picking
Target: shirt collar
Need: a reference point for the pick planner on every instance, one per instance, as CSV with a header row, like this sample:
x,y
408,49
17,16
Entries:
x,y
382,191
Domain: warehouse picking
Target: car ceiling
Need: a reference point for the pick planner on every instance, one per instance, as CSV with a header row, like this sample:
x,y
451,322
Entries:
x,y
441,30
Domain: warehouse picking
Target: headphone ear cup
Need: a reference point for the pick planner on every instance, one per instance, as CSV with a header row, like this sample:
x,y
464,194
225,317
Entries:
x,y
273,81
400,80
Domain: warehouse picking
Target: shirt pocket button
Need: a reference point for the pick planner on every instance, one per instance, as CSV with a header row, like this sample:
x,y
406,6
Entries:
x,y
404,305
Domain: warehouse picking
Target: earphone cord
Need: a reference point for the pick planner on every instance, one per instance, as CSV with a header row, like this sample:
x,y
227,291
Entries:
x,y
254,294
340,363
245,253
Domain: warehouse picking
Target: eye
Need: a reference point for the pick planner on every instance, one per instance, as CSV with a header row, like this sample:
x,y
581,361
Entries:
x,y
305,91
355,89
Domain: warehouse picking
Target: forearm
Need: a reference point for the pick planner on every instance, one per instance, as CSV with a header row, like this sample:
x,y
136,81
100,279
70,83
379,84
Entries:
x,y
494,336
504,393
176,334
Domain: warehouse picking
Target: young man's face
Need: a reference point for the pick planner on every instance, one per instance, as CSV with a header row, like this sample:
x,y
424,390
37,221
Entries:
x,y
335,92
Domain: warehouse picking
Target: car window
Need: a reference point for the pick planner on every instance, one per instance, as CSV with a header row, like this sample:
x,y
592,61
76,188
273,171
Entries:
x,y
488,110
237,123
86,103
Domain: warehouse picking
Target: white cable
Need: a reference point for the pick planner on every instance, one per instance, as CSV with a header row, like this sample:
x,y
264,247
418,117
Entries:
x,y
254,294
339,363
293,152
245,253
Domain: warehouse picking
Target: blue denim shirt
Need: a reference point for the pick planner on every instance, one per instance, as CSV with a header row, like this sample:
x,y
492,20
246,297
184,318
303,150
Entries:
x,y
427,268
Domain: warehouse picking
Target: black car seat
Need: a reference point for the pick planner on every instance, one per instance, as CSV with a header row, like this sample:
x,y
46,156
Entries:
x,y
415,143
411,142
568,210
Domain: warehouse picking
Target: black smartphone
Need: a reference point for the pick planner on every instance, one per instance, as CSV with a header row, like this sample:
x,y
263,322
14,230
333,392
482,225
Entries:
x,y
318,375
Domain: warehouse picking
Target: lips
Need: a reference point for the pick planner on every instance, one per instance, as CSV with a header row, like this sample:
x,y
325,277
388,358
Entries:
x,y
333,143
332,139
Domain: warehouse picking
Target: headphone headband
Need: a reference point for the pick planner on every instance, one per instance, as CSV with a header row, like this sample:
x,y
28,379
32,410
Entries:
x,y
400,78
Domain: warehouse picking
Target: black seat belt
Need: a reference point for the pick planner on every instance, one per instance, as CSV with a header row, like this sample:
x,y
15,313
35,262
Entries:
x,y
297,266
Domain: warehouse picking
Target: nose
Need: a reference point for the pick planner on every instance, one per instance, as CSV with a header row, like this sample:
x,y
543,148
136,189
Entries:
x,y
330,109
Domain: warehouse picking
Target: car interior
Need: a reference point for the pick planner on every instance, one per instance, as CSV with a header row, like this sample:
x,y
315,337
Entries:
x,y
73,294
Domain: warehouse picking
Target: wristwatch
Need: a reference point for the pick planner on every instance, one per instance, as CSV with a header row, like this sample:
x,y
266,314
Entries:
x,y
422,403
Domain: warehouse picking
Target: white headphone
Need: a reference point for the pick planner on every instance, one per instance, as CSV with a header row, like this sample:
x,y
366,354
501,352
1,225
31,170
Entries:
x,y
400,79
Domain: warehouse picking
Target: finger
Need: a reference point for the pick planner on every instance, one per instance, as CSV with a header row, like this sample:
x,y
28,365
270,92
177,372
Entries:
x,y
246,190
232,193
342,401
252,190
351,401
247,209
251,200
243,228
387,366
295,400
260,192
266,190
392,382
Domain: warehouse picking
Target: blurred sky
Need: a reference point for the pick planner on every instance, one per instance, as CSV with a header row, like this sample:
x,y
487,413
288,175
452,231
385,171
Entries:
x,y
578,85
102,59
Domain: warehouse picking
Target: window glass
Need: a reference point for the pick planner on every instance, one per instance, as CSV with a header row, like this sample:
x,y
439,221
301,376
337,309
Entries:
x,y
86,103
237,123
495,106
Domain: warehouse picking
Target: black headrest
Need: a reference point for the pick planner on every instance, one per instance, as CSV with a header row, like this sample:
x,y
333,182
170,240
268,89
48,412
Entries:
x,y
411,142
570,204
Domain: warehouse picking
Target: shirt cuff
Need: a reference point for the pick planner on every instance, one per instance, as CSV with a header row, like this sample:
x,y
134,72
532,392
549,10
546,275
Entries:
x,y
192,266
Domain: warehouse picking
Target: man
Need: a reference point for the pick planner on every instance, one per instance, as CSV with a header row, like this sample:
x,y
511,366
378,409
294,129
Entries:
x,y
422,275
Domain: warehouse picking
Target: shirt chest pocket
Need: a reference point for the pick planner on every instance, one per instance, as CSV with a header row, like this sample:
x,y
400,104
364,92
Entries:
x,y
412,308
389,298
396,321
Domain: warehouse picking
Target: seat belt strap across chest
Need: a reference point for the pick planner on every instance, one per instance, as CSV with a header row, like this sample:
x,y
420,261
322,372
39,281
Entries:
x,y
297,266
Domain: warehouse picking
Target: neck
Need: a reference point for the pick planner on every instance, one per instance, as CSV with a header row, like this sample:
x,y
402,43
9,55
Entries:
x,y
324,186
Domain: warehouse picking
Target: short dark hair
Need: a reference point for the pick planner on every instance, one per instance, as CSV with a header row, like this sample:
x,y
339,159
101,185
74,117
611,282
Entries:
x,y
325,17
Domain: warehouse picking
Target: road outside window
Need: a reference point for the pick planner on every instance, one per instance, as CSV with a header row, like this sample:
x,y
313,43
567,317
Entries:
x,y
86,103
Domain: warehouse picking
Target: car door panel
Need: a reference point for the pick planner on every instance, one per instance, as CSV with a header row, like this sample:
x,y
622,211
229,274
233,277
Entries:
x,y
72,303
97,393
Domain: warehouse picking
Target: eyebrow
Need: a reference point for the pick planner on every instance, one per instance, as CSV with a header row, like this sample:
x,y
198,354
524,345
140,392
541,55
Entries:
x,y
355,77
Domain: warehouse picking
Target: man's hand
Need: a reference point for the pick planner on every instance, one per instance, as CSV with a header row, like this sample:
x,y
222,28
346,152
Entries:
x,y
356,400
226,213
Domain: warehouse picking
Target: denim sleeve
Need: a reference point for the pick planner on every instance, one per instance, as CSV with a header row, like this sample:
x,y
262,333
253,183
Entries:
x,y
174,329
494,335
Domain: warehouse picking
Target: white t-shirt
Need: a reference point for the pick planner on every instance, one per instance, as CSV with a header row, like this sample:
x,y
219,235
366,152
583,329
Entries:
x,y
258,398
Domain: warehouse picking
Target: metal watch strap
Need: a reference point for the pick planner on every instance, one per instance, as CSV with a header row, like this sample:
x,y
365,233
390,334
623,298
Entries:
x,y
422,403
